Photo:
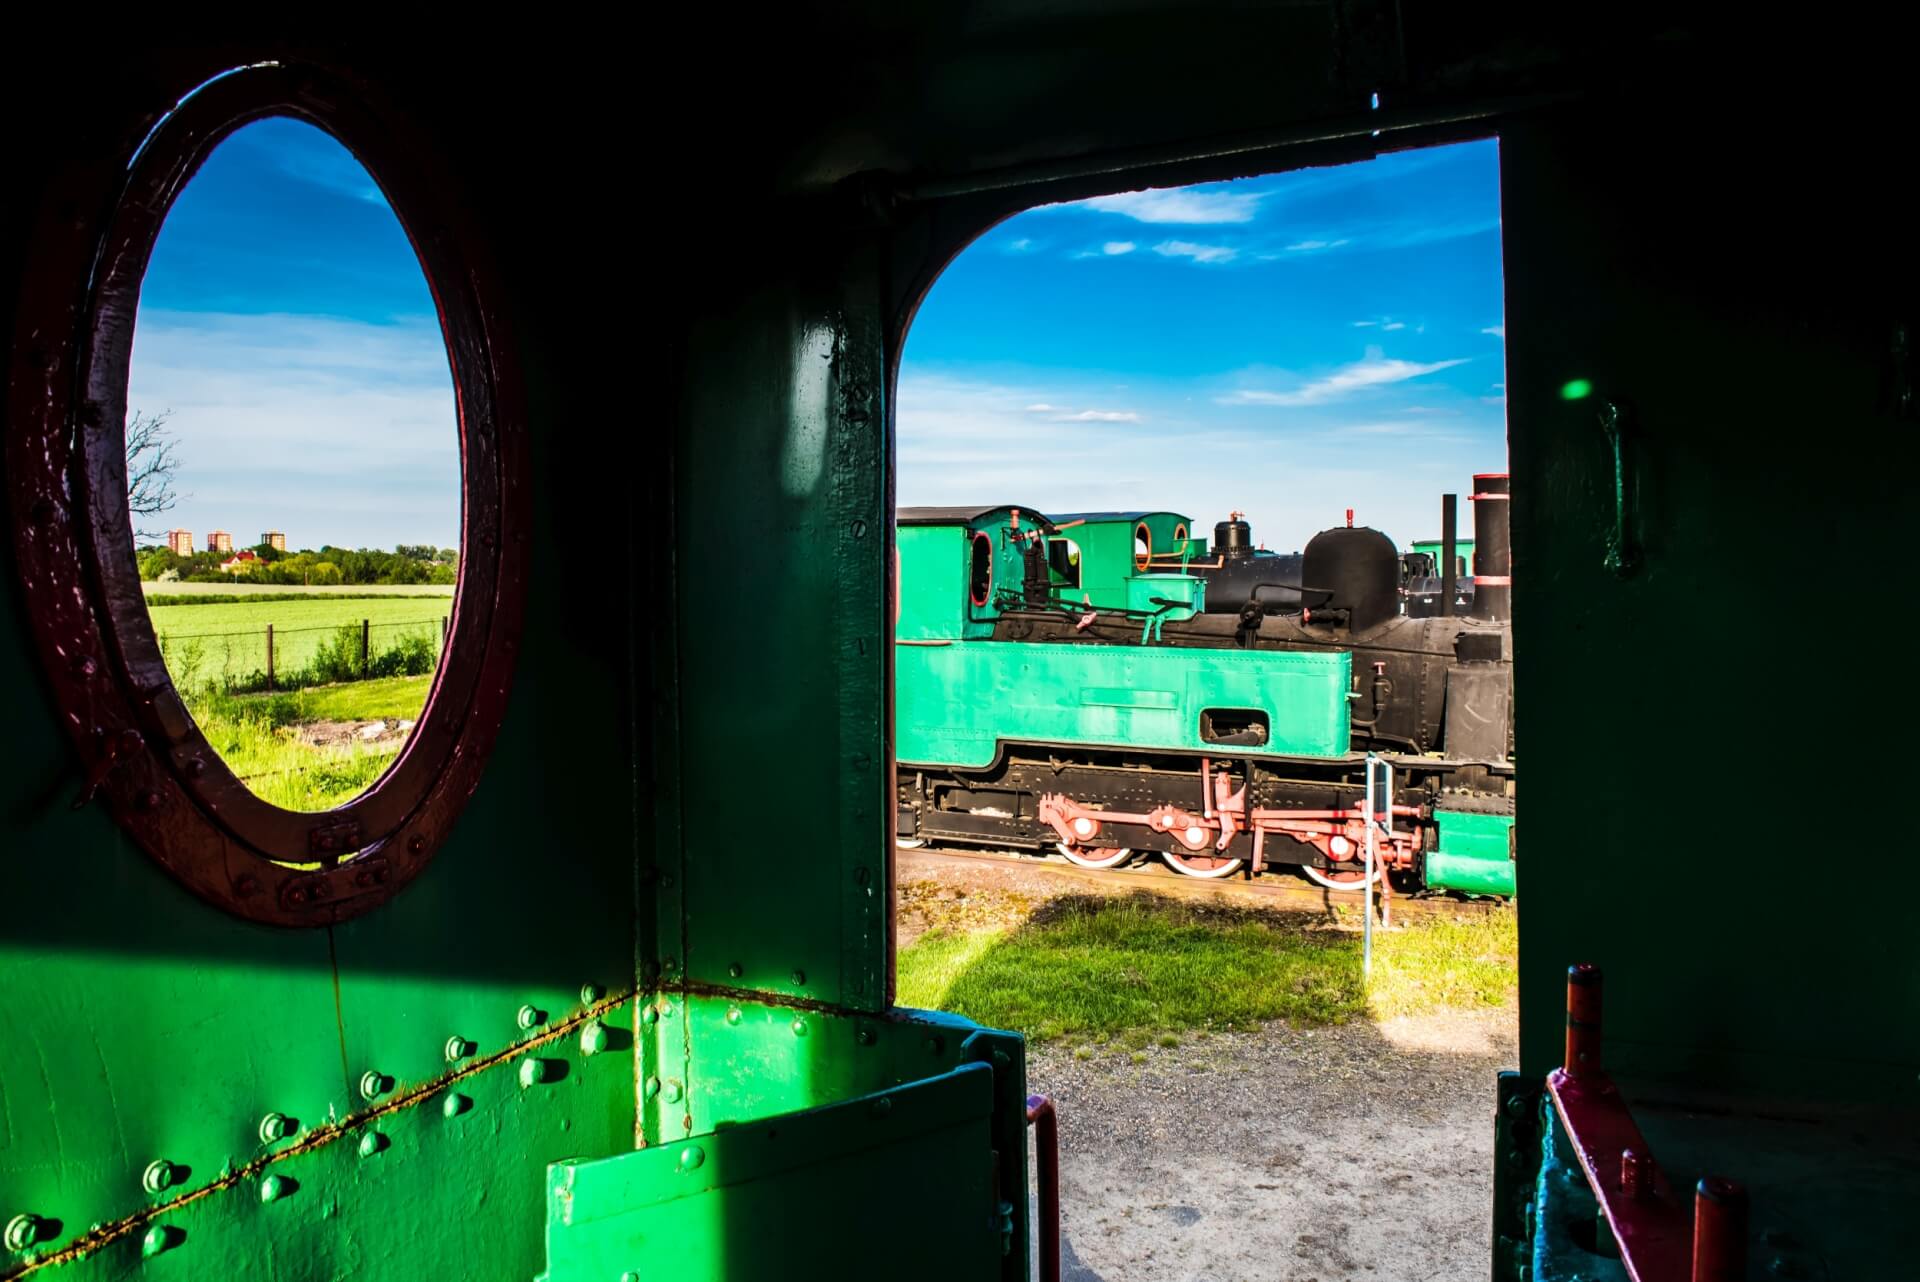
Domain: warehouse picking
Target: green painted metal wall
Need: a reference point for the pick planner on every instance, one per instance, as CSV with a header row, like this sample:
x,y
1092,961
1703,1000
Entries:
x,y
1760,382
136,1023
956,704
1475,853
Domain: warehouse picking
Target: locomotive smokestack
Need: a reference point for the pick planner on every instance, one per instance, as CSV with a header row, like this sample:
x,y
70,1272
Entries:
x,y
1449,552
1492,547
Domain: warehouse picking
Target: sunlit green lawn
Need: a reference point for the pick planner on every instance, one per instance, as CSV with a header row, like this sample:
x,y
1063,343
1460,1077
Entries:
x,y
1142,967
258,737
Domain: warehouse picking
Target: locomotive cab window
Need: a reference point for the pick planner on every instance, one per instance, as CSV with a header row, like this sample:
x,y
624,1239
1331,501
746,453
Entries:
x,y
281,570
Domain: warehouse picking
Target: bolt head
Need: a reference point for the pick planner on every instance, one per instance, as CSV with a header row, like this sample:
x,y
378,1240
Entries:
x,y
736,970
531,1017
372,1142
692,1157
591,993
652,1087
458,1048
593,1038
733,1014
672,1090
453,1104
533,1072
158,1177
161,1237
374,1084
275,1187
800,977
649,1016
23,1231
275,1126
864,1036
799,1028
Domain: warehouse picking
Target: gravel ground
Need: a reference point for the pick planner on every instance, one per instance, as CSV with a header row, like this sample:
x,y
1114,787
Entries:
x,y
1310,1154
1300,1155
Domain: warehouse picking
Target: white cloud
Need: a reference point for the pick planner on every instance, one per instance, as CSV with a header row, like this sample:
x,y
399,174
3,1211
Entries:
x,y
1312,246
1375,371
1100,416
1020,246
1198,253
335,431
1365,324
1498,331
1040,407
1392,325
1115,247
1180,206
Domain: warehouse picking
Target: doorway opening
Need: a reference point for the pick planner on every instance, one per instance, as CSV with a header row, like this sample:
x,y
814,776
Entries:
x,y
1218,783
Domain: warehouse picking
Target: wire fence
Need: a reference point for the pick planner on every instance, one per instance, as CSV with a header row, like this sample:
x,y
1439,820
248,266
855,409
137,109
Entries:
x,y
269,658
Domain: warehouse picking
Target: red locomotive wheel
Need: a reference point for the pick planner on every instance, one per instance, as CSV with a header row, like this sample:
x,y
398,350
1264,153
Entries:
x,y
1202,864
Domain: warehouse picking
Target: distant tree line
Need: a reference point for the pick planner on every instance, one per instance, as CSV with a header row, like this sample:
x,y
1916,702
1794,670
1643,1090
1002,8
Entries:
x,y
409,563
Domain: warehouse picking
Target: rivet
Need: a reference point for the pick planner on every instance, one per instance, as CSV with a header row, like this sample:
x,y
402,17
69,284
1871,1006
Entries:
x,y
533,1072
668,965
593,1038
799,1027
591,993
733,1014
864,1036
531,1017
374,1084
666,878
458,1048
275,1187
882,1106
150,800
23,1231
275,1126
1517,1106
629,1276
672,1090
161,1237
416,844
452,1104
736,970
665,1007
799,977
652,1087
691,1157
372,1142
649,1016
159,1176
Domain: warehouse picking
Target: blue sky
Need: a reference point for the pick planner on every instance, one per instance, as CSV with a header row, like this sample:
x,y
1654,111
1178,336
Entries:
x,y
285,322
1290,346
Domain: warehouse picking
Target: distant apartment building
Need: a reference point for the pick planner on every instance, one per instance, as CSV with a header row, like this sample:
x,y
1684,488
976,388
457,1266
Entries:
x,y
219,541
273,539
180,542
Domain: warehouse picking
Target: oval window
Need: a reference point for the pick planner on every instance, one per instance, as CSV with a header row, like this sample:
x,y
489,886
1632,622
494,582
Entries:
x,y
980,569
293,465
273,491
1142,547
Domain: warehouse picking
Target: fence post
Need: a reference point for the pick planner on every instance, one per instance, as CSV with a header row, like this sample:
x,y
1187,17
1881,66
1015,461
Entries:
x,y
269,656
366,626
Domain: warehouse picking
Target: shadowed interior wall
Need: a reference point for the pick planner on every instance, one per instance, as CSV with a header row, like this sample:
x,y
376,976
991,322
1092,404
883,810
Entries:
x,y
1713,805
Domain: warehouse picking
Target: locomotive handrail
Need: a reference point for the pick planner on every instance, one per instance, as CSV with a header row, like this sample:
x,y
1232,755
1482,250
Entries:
x,y
1046,1134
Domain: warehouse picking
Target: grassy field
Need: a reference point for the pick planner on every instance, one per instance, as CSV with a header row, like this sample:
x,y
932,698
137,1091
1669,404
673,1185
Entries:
x,y
1143,968
258,737
229,639
241,588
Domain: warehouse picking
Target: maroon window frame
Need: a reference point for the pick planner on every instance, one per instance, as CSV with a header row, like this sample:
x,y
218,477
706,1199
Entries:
x,y
142,753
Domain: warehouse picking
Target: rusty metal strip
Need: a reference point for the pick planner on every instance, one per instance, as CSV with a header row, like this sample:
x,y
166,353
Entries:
x,y
319,1137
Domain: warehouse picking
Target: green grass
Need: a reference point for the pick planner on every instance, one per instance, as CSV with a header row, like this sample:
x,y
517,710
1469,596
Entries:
x,y
207,643
256,736
1141,968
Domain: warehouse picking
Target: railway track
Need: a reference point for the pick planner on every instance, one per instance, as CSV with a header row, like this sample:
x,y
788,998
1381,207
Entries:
x,y
1276,891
